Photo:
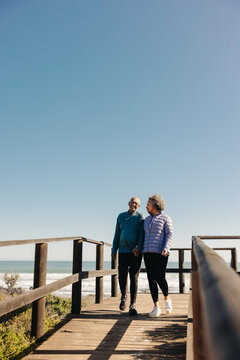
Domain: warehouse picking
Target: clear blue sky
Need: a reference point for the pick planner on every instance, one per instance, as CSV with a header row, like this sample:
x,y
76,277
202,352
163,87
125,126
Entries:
x,y
102,100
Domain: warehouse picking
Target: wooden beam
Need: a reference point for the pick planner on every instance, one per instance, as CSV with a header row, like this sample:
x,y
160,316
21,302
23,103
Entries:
x,y
219,290
77,268
40,276
114,279
25,299
99,280
47,240
181,273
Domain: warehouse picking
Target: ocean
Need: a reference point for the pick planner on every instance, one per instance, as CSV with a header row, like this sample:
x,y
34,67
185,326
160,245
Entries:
x,y
59,269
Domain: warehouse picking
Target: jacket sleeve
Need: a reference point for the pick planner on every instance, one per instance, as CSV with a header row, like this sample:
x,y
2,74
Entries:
x,y
168,228
116,238
141,234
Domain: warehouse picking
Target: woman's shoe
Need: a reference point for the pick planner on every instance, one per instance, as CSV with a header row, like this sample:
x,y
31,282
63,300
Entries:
x,y
168,306
155,312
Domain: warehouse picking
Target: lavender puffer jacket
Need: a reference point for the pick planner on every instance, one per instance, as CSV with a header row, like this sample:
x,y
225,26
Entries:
x,y
158,233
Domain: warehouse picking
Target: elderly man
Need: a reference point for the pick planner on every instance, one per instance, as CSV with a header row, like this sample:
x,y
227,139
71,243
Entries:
x,y
157,242
128,241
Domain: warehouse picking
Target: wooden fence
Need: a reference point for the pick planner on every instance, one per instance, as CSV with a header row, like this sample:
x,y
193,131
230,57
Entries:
x,y
40,289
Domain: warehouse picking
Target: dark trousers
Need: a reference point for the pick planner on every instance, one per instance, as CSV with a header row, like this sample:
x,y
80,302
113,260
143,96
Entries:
x,y
156,268
128,263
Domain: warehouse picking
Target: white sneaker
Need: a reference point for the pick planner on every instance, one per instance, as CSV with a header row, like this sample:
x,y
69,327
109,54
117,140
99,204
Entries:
x,y
155,313
168,306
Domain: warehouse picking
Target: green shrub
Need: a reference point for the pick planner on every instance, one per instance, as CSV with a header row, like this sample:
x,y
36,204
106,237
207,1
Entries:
x,y
15,333
15,328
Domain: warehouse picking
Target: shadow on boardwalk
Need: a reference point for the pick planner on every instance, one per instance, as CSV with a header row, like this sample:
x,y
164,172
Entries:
x,y
170,340
103,334
173,338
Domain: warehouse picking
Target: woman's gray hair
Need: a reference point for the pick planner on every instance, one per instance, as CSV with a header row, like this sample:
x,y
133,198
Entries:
x,y
157,201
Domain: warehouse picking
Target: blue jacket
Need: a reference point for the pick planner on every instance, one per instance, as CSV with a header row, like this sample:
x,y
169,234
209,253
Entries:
x,y
158,233
128,232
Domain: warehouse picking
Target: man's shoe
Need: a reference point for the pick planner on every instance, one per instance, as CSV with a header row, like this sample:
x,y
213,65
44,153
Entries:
x,y
168,306
132,310
122,305
156,312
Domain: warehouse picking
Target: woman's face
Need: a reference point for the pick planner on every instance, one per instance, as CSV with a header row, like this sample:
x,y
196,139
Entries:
x,y
150,208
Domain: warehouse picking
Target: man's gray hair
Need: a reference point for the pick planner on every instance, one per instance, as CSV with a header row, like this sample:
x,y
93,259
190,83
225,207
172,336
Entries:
x,y
134,197
157,201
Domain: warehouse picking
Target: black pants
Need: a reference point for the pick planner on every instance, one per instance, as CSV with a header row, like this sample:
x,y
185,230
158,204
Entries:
x,y
127,262
156,268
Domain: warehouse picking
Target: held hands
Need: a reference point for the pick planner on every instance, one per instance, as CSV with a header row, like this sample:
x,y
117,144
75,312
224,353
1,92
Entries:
x,y
136,252
165,253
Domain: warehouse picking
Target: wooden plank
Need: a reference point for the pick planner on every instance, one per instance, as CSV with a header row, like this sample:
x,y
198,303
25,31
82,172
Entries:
x,y
102,331
218,237
47,240
36,241
25,299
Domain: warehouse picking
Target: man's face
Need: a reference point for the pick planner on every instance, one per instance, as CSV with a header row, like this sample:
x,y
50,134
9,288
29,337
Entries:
x,y
133,204
150,208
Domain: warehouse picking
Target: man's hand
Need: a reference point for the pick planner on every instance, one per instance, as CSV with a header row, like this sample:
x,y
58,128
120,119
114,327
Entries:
x,y
113,257
136,252
165,253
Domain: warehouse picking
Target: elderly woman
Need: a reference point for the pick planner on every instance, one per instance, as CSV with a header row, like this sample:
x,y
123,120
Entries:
x,y
157,242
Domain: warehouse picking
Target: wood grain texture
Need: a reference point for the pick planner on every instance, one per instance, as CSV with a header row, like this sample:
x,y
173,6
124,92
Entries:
x,y
102,331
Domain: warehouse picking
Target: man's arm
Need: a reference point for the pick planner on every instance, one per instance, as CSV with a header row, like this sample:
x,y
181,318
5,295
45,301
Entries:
x,y
116,238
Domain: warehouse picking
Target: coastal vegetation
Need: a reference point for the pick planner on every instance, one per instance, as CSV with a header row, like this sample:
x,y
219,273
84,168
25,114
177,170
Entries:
x,y
15,328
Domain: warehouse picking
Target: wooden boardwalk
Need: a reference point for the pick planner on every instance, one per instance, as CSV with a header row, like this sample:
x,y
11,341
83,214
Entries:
x,y
103,332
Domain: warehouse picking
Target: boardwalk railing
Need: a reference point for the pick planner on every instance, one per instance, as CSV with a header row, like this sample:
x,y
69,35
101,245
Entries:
x,y
215,304
40,289
181,270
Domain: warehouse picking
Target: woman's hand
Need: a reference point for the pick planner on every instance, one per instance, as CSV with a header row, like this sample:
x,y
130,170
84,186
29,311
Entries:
x,y
165,253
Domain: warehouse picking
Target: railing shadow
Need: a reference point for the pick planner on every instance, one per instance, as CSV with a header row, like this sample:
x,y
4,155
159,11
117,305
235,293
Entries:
x,y
108,345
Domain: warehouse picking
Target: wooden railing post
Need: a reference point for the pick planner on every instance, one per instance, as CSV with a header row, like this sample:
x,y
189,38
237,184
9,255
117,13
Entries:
x,y
197,313
40,276
77,268
99,280
234,264
181,274
114,280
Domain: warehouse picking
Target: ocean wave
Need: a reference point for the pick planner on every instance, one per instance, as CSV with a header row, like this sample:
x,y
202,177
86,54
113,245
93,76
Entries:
x,y
88,285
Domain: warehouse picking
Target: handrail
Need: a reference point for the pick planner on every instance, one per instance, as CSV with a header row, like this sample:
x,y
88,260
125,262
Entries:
x,y
216,311
219,237
48,240
35,294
